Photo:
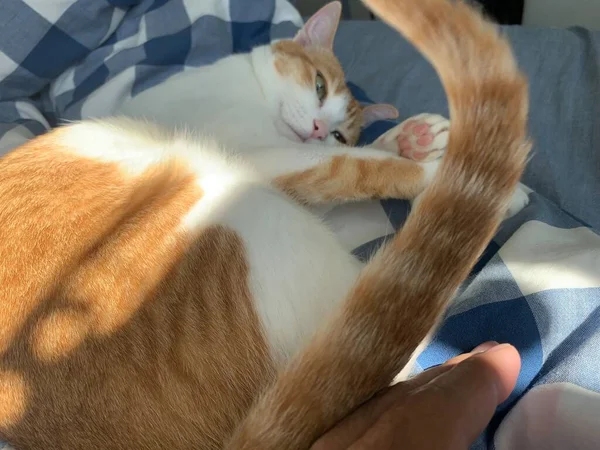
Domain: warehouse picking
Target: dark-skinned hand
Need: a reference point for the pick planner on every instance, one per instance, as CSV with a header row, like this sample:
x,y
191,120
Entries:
x,y
443,408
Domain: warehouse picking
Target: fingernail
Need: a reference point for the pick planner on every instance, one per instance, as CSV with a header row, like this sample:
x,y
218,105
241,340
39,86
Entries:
x,y
498,348
484,347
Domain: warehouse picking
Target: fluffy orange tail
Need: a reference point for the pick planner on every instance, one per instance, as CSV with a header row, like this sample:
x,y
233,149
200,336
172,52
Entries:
x,y
403,292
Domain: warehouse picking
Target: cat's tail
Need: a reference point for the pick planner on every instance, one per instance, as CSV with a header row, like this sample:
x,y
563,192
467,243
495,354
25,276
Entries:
x,y
404,291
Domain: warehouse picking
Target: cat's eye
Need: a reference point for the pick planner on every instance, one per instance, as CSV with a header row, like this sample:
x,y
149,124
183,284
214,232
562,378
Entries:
x,y
321,86
339,137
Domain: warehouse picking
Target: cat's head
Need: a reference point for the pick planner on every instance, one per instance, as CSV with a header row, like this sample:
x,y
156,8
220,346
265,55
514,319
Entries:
x,y
313,99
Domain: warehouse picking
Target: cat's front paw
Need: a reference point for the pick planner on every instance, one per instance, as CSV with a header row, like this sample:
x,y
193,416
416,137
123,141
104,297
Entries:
x,y
421,138
518,201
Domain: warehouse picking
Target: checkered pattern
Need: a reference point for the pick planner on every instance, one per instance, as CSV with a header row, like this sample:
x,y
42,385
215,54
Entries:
x,y
536,286
73,59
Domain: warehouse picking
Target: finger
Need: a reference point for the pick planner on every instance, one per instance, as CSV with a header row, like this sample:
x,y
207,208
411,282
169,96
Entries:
x,y
351,428
484,347
479,349
468,394
355,425
434,372
501,363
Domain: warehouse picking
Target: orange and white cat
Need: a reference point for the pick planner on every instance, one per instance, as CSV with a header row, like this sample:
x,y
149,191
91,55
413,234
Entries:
x,y
158,290
279,107
290,91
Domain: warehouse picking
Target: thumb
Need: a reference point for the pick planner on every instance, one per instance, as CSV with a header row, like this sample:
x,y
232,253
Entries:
x,y
469,393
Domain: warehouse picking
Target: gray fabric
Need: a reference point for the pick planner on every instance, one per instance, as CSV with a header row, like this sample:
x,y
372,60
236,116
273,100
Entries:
x,y
563,67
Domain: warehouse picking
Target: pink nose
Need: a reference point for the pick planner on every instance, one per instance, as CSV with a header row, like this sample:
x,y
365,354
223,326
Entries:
x,y
320,130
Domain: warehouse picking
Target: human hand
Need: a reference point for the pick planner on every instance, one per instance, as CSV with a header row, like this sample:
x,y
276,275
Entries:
x,y
445,407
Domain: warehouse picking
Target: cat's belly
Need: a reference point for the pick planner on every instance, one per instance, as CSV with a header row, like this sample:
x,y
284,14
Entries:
x,y
298,270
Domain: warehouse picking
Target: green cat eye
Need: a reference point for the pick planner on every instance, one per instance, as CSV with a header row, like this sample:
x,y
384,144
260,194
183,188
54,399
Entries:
x,y
321,86
339,137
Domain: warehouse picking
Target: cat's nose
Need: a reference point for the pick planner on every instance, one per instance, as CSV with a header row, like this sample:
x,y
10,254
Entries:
x,y
320,130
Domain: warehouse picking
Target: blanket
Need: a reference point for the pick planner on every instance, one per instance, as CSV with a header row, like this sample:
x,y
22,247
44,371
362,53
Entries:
x,y
537,285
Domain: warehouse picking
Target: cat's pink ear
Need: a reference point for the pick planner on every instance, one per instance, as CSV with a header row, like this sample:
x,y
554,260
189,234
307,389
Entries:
x,y
319,30
380,111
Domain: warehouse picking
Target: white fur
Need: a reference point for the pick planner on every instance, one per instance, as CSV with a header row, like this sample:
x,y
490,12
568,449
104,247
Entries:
x,y
298,270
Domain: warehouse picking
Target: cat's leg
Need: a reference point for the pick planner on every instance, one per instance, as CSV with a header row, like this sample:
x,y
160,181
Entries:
x,y
315,174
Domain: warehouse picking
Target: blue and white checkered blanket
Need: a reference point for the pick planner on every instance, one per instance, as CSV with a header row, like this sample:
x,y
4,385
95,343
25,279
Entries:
x,y
538,284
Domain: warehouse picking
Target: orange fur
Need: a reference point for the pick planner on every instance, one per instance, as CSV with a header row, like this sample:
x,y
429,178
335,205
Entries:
x,y
109,321
404,290
292,59
345,179
118,329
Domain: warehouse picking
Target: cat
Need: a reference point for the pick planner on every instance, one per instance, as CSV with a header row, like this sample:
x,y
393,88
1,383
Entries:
x,y
281,108
279,105
159,291
266,98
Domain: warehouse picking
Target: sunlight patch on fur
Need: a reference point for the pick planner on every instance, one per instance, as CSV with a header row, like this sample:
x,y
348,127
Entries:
x,y
13,395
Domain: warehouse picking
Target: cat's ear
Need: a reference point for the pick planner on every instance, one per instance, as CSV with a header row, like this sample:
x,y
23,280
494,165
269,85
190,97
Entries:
x,y
379,111
319,30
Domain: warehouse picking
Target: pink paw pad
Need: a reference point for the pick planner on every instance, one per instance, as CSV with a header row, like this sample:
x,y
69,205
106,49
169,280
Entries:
x,y
417,140
425,139
421,129
421,138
